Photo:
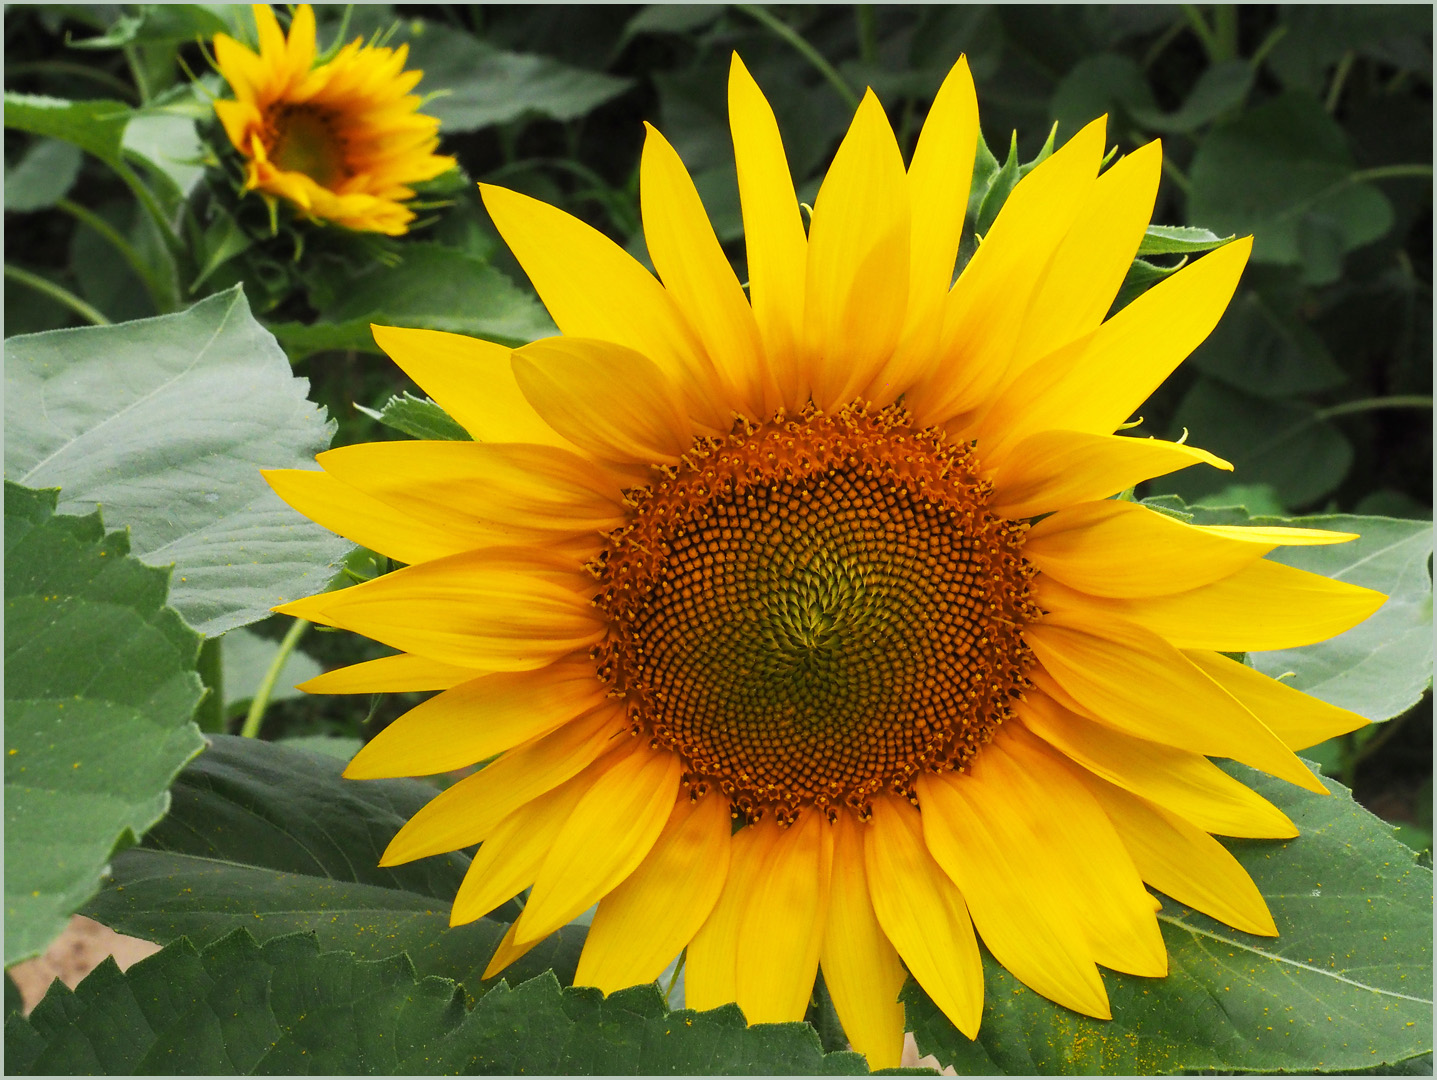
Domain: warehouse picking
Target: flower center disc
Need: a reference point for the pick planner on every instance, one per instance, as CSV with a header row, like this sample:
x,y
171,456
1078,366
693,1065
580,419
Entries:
x,y
305,140
816,608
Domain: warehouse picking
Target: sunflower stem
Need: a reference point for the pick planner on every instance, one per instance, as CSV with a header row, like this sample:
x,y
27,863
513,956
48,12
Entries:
x,y
807,51
1339,80
867,33
262,693
158,295
56,292
210,714
1391,172
1396,401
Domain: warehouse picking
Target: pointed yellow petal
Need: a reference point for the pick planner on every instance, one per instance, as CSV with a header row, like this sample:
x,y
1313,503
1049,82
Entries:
x,y
1131,679
462,610
390,675
922,913
655,912
992,859
611,402
938,181
508,860
773,230
1052,469
468,488
781,929
1265,605
593,288
1185,782
271,37
1121,549
696,272
506,953
856,295
479,719
710,972
1299,720
301,40
985,311
1097,382
471,381
611,830
367,521
470,810
1089,868
861,968
1089,265
1184,862
241,68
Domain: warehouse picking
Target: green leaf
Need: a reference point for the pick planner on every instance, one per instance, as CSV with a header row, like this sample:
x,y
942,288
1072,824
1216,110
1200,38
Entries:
x,y
167,422
272,838
1000,185
100,685
1179,240
160,24
95,126
247,658
1381,667
1345,986
240,1008
435,288
1283,172
1286,444
1103,83
419,418
1220,88
44,175
1141,276
485,86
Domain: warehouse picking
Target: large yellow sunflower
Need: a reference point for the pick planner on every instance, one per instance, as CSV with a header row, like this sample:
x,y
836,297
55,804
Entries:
x,y
801,621
342,140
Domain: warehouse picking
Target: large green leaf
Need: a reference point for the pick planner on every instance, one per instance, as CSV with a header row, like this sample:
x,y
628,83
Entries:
x,y
271,838
1347,984
166,422
485,86
96,126
434,288
1381,667
100,685
284,1007
43,176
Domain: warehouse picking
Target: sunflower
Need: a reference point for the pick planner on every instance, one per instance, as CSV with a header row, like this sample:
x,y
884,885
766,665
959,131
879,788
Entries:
x,y
341,140
799,621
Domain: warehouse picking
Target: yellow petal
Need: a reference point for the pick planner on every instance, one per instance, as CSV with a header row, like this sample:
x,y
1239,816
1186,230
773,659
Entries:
x,y
479,719
608,400
1266,605
1089,265
471,381
922,913
398,674
985,311
595,289
1299,720
470,810
468,487
773,232
781,928
938,181
611,830
508,860
856,295
1121,549
271,37
697,274
861,968
367,521
1052,469
1185,782
992,859
1131,679
655,912
301,40
1097,382
1184,862
241,68
710,972
462,610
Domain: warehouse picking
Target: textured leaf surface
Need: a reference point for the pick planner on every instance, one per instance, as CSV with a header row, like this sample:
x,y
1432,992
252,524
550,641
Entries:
x,y
43,176
271,838
1381,667
96,126
100,684
166,422
419,418
1347,984
237,1007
